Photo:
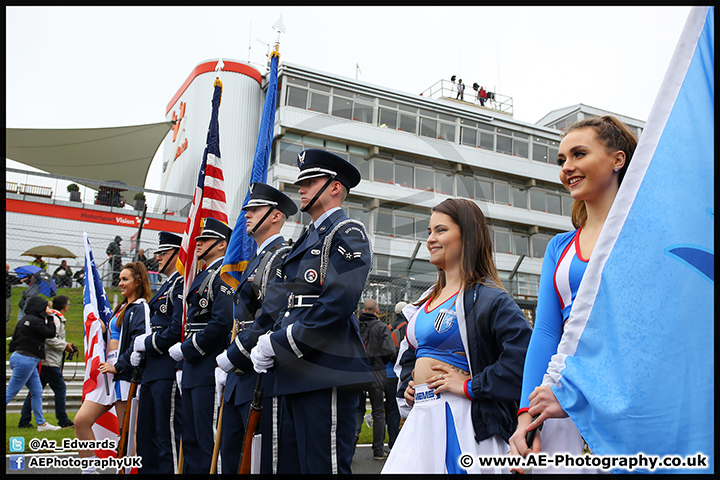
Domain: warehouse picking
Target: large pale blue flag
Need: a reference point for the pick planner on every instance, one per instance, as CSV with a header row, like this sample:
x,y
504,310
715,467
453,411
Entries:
x,y
242,247
635,368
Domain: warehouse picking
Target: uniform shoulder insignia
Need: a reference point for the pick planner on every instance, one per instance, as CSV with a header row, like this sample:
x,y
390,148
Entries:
x,y
226,290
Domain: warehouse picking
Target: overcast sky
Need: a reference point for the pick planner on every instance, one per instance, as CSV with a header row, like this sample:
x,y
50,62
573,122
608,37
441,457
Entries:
x,y
80,67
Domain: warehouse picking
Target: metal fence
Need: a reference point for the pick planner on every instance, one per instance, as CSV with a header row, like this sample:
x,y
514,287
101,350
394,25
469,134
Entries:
x,y
448,89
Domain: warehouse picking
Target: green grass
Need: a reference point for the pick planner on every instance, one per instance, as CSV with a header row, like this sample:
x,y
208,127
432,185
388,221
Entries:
x,y
12,430
366,433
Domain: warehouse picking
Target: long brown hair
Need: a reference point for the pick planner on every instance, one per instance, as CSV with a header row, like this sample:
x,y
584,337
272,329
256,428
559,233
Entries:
x,y
140,276
476,256
616,136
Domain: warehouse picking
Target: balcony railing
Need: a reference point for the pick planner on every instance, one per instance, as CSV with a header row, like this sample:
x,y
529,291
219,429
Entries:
x,y
448,90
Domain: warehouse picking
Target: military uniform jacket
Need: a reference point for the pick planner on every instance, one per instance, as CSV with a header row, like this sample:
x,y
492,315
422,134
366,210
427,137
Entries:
x,y
316,338
242,382
136,321
166,310
207,328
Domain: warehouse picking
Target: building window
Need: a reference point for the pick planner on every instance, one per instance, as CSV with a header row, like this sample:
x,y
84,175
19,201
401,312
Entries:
x,y
363,113
520,148
444,182
537,200
388,118
504,144
404,226
520,244
502,242
553,204
447,132
539,243
382,171
465,186
502,193
540,153
362,164
428,127
383,222
342,107
289,153
297,97
468,136
359,213
567,204
484,190
424,179
381,264
319,103
519,198
421,225
404,175
408,123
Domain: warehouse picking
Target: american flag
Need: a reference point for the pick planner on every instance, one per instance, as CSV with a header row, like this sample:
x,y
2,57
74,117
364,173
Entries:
x,y
96,307
208,199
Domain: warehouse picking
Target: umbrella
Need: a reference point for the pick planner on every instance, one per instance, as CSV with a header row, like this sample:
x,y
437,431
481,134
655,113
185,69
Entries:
x,y
51,251
40,279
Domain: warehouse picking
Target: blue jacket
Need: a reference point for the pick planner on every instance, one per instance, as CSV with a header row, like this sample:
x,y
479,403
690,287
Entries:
x,y
316,340
166,325
242,382
135,322
496,337
207,328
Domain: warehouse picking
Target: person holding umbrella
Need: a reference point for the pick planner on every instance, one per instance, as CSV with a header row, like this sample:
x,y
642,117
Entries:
x,y
39,262
10,280
39,282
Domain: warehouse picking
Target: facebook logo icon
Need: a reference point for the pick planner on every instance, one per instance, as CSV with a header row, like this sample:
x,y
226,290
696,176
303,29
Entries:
x,y
17,462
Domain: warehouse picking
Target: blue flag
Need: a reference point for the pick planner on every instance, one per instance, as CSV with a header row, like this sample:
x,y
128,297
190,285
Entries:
x,y
635,367
242,247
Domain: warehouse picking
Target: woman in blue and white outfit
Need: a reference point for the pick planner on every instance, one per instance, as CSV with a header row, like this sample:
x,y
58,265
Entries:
x,y
130,319
594,155
460,365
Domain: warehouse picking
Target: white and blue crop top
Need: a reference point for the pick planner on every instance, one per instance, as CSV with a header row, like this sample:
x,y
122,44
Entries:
x,y
115,328
437,334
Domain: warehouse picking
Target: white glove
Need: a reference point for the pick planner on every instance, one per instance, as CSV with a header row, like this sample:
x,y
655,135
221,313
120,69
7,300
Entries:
x,y
262,355
176,352
139,345
178,379
220,377
224,362
135,358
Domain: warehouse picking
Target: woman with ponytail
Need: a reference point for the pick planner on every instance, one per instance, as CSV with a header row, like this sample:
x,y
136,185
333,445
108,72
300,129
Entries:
x,y
594,155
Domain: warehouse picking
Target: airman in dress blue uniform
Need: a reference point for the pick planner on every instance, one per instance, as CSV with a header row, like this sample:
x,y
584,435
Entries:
x,y
158,424
315,347
207,333
265,214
